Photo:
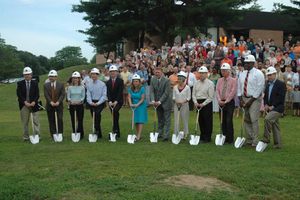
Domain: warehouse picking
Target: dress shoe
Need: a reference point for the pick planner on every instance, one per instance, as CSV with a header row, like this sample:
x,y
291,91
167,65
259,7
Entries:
x,y
265,141
165,140
247,144
253,147
159,136
25,140
277,147
205,141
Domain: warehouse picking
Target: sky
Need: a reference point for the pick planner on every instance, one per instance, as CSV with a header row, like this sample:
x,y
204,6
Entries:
x,y
43,27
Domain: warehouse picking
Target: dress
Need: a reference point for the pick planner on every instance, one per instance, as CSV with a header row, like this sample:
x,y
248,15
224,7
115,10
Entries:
x,y
140,113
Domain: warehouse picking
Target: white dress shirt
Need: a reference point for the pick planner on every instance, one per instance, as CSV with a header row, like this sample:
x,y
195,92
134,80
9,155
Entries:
x,y
203,90
192,79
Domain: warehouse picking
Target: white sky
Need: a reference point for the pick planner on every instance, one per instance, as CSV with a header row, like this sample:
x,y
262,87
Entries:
x,y
43,27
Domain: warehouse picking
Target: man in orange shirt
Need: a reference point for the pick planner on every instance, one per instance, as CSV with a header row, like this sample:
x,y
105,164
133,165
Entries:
x,y
297,48
173,78
226,60
279,57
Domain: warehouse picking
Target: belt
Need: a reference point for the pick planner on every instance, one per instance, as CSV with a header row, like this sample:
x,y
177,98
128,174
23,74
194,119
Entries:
x,y
247,96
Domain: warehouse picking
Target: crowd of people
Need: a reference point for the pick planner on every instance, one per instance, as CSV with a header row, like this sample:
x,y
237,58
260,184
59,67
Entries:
x,y
258,76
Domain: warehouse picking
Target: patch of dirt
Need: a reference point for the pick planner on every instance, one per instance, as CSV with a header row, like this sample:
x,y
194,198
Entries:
x,y
198,182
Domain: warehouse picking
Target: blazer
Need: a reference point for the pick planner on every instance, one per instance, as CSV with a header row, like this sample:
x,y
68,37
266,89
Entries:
x,y
277,96
234,62
161,92
115,94
260,55
59,95
34,94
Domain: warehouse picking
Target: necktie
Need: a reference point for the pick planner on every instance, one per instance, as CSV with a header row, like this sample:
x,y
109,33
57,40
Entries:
x,y
53,92
245,84
224,89
27,92
113,84
187,79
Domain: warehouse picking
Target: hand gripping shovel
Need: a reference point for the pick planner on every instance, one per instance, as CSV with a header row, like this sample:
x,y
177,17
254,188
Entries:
x,y
240,140
194,139
34,139
93,137
58,136
220,138
154,135
75,136
112,137
261,145
131,138
176,138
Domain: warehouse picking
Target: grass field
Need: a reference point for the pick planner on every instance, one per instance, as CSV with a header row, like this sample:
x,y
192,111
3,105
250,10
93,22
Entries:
x,y
143,170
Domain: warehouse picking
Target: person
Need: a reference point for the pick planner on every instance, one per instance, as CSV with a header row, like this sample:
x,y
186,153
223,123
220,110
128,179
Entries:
x,y
239,71
246,52
115,96
239,57
226,59
125,76
274,104
218,56
181,97
214,77
84,83
83,75
96,95
108,63
133,72
258,54
160,97
296,101
66,92
250,87
287,59
54,92
289,75
76,96
280,75
203,94
136,99
296,78
144,80
28,96
190,81
272,59
226,90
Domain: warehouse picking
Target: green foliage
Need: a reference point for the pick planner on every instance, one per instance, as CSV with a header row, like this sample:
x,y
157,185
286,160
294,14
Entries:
x,y
93,60
255,7
31,61
292,11
44,61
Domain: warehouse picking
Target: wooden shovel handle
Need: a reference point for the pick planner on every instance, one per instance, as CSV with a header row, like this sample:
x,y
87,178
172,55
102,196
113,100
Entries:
x,y
155,115
55,117
221,116
197,117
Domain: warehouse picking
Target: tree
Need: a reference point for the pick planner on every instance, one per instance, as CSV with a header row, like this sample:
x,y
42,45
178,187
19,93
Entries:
x,y
294,12
10,65
44,61
31,61
255,7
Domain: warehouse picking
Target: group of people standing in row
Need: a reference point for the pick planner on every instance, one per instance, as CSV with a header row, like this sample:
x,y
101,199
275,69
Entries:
x,y
248,87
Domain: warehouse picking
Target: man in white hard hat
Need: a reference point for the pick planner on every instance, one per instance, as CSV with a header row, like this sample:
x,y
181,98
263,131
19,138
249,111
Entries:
x,y
54,92
274,104
250,87
96,96
203,94
226,91
28,96
115,87
108,63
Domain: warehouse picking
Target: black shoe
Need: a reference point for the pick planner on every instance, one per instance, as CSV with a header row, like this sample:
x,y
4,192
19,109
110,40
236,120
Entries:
x,y
159,136
205,141
165,140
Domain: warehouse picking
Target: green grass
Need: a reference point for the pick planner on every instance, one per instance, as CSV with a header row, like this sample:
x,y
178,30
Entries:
x,y
84,170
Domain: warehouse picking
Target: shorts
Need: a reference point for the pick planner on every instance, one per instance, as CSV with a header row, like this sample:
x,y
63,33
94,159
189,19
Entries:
x,y
296,105
125,89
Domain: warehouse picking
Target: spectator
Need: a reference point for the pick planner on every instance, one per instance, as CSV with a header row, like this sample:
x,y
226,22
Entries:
x,y
287,59
108,63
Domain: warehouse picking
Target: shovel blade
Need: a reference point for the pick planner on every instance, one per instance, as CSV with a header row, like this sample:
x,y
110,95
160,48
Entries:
x,y
58,137
194,140
93,137
181,133
261,146
112,137
34,139
220,139
153,137
131,139
176,138
239,142
75,137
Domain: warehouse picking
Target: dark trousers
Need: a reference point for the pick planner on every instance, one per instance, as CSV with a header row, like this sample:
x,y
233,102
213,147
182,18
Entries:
x,y
205,121
116,127
98,109
51,120
191,103
79,117
227,125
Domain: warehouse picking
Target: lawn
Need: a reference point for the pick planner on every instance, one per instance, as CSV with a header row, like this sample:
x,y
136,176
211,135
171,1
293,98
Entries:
x,y
143,170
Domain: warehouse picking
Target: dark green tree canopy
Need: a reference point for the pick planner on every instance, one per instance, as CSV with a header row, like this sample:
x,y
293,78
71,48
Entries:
x,y
294,12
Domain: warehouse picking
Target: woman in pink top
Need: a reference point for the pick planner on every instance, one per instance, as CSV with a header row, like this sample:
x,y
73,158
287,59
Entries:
x,y
231,54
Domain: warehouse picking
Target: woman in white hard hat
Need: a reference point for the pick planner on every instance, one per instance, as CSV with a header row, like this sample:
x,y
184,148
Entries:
x,y
136,99
76,95
181,97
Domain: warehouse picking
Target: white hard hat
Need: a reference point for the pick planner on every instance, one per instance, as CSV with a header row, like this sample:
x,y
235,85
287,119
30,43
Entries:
x,y
27,70
225,66
113,68
108,60
95,70
249,58
52,73
181,74
203,69
136,76
271,70
76,74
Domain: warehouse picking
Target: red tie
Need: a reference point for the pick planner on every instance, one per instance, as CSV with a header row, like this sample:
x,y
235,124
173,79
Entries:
x,y
113,84
187,79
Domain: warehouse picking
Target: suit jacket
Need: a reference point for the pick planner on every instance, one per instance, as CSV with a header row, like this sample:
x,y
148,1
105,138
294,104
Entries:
x,y
59,95
161,92
234,63
34,94
115,94
260,55
277,96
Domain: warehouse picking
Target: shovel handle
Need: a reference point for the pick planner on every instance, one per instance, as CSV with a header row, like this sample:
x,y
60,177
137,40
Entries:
x,y
197,119
93,117
155,115
55,113
243,118
132,120
31,116
221,115
75,114
178,116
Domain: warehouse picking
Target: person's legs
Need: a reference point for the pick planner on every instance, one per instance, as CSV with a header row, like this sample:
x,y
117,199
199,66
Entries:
x,y
167,116
25,113
161,121
36,123
80,116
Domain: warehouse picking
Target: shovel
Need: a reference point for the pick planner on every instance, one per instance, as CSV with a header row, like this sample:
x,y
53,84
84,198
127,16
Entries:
x,y
154,135
58,136
220,138
261,145
75,136
194,139
93,137
112,136
131,138
240,140
34,139
177,137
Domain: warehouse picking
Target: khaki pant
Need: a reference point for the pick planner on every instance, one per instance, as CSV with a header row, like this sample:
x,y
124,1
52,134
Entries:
x,y
25,116
184,116
272,124
252,121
